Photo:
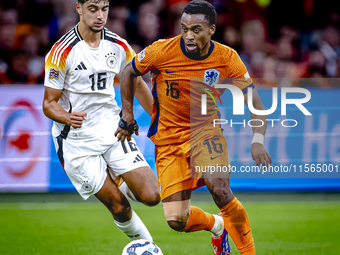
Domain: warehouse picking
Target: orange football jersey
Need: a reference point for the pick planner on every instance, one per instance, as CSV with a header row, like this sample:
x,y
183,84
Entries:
x,y
178,82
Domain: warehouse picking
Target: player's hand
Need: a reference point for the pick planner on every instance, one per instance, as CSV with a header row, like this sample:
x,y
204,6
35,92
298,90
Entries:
x,y
77,118
126,130
260,155
123,134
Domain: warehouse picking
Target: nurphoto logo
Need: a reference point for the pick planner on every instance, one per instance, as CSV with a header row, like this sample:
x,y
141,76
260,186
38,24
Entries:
x,y
238,105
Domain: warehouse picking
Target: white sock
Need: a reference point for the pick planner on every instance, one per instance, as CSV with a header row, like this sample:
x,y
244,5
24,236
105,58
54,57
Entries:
x,y
218,227
124,188
134,228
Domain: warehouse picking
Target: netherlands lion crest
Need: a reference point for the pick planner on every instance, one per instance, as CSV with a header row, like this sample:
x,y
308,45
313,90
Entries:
x,y
211,77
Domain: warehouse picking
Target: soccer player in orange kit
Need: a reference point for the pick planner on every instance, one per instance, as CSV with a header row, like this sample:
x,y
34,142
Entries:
x,y
180,143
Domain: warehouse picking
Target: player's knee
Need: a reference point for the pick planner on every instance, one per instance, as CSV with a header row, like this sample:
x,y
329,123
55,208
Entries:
x,y
154,199
219,187
220,192
150,199
177,214
222,195
177,225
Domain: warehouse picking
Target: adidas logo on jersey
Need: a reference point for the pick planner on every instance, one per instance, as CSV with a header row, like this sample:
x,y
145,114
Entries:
x,y
81,66
138,159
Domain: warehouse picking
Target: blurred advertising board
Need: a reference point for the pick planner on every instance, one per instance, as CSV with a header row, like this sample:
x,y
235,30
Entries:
x,y
24,140
306,156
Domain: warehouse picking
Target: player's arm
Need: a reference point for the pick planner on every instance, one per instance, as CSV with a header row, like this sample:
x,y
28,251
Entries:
x,y
127,88
142,63
240,76
258,152
55,112
142,93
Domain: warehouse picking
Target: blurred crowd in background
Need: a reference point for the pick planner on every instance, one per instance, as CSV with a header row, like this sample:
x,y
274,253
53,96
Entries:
x,y
274,38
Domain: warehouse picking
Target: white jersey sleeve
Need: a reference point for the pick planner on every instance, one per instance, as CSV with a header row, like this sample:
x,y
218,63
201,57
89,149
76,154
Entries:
x,y
56,61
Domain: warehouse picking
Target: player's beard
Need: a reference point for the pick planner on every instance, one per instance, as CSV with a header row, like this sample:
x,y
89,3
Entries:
x,y
195,54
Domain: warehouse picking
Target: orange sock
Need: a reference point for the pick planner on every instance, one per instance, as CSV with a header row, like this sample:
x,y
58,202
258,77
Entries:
x,y
237,224
199,220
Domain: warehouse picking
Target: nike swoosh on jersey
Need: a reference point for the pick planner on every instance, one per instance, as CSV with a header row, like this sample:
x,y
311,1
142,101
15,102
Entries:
x,y
169,71
212,158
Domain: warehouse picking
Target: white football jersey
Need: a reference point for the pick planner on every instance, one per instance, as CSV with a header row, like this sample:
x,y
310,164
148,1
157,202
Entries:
x,y
86,76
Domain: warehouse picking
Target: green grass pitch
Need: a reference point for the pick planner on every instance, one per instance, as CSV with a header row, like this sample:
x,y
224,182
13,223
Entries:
x,y
290,223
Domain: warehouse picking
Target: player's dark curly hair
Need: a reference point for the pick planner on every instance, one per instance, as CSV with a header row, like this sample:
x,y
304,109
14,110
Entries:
x,y
95,1
202,7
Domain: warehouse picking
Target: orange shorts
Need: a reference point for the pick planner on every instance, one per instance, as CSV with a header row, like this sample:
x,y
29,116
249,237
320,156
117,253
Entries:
x,y
177,163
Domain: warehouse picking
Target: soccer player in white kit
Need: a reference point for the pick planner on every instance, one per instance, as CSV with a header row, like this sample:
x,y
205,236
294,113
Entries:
x,y
80,99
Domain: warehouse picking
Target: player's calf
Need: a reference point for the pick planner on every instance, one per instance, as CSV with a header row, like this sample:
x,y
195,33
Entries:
x,y
120,212
119,208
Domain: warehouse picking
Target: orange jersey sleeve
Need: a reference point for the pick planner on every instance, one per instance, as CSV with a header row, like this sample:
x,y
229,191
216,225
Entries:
x,y
145,61
236,68
237,71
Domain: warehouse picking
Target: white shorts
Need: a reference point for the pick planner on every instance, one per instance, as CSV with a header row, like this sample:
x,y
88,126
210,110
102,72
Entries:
x,y
85,162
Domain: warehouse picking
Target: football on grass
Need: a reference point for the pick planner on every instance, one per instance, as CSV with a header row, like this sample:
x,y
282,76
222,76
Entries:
x,y
141,247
